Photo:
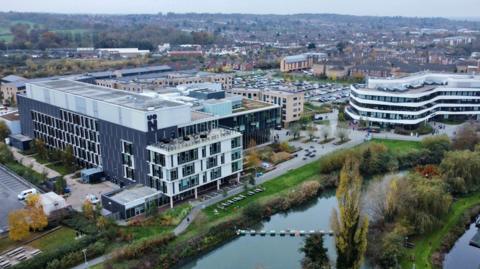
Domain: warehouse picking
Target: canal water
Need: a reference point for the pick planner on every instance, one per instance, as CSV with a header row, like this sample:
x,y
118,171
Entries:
x,y
257,252
462,255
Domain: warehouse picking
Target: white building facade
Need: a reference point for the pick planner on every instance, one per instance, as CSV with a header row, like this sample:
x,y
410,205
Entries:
x,y
197,164
415,99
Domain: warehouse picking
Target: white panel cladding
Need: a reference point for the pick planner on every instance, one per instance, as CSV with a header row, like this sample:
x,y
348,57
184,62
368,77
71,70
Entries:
x,y
114,113
200,164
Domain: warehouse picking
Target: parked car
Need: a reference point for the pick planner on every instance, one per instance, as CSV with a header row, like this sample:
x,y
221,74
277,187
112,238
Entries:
x,y
92,198
24,194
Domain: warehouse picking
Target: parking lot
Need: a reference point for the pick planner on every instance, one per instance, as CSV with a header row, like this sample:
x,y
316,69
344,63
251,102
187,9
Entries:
x,y
79,191
10,187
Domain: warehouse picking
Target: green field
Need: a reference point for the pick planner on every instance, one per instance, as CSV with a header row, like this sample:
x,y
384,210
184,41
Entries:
x,y
6,35
399,146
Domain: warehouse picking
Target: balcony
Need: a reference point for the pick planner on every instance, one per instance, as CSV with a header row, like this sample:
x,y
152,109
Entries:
x,y
205,138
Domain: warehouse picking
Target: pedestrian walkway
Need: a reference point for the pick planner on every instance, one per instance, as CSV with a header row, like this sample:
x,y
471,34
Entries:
x,y
36,166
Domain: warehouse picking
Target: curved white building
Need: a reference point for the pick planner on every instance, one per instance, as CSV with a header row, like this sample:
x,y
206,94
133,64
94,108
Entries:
x,y
415,99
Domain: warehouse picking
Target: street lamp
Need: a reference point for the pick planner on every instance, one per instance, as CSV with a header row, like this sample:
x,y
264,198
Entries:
x,y
85,256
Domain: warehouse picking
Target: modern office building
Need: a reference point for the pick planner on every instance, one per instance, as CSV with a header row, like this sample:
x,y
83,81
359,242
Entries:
x,y
126,134
415,99
167,79
179,144
291,103
301,61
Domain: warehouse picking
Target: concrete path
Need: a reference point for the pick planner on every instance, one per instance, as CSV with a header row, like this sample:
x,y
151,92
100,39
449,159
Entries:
x,y
92,262
30,161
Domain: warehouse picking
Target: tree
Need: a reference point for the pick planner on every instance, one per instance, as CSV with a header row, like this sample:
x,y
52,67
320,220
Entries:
x,y
294,129
349,225
37,217
466,138
311,131
253,158
40,149
18,225
326,130
342,133
88,210
4,131
68,158
60,185
311,45
460,171
315,254
5,154
437,145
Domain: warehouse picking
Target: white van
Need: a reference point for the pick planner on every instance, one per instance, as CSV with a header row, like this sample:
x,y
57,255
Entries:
x,y
26,193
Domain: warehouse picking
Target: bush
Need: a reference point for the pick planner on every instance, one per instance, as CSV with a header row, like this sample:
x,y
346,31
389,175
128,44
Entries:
x,y
253,211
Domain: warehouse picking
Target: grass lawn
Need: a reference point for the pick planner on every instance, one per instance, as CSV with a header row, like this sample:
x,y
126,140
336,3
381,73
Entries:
x,y
163,223
53,240
399,146
322,122
60,168
60,237
40,160
426,245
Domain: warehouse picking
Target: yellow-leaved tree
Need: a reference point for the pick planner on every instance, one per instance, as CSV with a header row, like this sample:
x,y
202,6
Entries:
x,y
18,226
349,226
36,216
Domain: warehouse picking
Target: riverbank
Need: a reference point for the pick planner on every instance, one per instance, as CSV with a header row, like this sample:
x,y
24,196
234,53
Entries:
x,y
425,246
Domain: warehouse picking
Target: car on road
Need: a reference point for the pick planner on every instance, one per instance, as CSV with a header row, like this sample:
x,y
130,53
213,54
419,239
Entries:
x,y
24,194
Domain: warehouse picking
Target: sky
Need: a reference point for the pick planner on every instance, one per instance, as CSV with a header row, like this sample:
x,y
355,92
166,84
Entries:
x,y
410,8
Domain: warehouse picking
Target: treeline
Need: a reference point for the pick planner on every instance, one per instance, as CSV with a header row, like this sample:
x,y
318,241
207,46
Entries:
x,y
418,202
143,36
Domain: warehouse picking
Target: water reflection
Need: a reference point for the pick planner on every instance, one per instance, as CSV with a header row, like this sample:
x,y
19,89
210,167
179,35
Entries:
x,y
462,255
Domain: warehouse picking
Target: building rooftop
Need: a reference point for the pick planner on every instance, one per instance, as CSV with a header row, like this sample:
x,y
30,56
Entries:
x,y
13,116
104,94
132,194
193,140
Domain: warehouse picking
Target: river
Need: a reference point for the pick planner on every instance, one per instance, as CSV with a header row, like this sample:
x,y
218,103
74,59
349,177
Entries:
x,y
462,255
267,252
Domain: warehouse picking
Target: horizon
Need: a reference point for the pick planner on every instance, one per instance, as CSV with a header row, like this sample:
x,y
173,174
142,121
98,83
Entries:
x,y
442,9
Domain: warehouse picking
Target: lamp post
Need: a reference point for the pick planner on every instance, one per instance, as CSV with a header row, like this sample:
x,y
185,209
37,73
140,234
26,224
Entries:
x,y
85,256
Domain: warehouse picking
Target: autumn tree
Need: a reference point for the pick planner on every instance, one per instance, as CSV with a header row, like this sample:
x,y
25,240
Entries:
x,y
466,138
40,149
311,129
349,225
4,131
37,217
342,132
18,226
315,253
252,157
88,210
326,130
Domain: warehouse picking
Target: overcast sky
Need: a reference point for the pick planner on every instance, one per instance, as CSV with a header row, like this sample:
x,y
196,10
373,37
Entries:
x,y
417,8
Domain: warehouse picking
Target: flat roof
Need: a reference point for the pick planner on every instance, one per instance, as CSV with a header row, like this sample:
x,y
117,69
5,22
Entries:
x,y
131,194
113,96
11,116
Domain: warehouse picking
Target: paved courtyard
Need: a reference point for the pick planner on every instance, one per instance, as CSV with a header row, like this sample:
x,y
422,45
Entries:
x,y
80,190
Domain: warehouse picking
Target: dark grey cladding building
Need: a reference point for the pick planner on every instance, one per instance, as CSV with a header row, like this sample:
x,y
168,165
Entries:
x,y
139,139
